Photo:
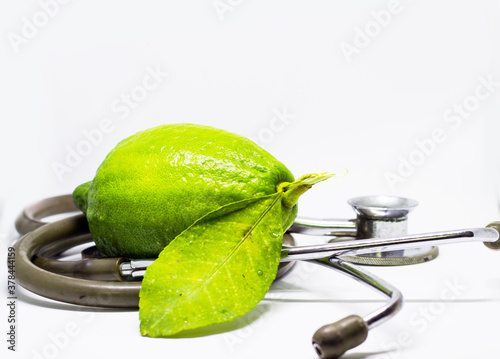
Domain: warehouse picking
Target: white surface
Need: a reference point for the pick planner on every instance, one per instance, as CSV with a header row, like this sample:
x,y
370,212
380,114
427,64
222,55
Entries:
x,y
235,72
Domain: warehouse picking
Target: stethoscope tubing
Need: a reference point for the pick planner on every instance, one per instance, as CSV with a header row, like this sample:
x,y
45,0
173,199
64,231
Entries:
x,y
40,274
74,281
111,294
100,283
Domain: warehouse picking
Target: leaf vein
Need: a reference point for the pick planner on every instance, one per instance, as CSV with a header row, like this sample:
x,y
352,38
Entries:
x,y
225,260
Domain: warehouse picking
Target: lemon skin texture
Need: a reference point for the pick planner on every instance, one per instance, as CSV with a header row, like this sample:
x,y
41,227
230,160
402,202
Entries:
x,y
156,183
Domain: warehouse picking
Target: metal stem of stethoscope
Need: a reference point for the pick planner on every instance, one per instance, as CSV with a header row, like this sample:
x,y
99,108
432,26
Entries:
x,y
137,267
375,245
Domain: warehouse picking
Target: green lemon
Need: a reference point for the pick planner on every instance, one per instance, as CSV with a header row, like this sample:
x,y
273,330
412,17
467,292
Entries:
x,y
156,183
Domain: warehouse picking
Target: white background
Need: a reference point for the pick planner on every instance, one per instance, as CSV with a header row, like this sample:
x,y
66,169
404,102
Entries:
x,y
235,64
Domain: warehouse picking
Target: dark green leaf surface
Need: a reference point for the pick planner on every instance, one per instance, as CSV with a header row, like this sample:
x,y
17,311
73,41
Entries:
x,y
216,270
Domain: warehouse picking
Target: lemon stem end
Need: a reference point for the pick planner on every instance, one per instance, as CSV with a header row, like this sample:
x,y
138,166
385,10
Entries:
x,y
293,190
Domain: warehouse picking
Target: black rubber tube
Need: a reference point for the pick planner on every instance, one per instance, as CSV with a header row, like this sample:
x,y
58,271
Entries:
x,y
111,294
31,216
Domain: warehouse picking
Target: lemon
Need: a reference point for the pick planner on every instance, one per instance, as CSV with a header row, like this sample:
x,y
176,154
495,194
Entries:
x,y
156,183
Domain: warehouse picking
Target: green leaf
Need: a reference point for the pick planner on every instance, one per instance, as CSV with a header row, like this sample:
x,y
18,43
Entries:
x,y
216,270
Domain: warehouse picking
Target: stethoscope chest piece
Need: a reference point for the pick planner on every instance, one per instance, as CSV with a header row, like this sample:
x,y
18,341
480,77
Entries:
x,y
386,217
376,217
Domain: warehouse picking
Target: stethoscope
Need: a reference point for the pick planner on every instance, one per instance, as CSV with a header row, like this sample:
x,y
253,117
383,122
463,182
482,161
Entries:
x,y
377,236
